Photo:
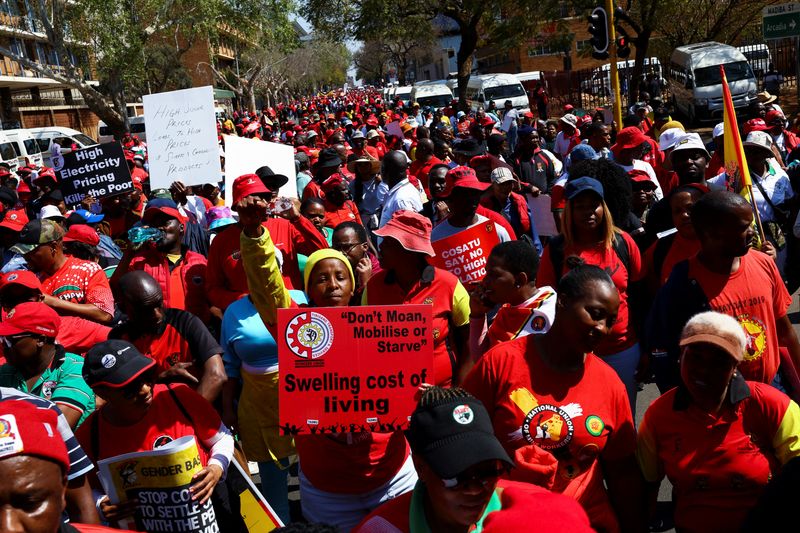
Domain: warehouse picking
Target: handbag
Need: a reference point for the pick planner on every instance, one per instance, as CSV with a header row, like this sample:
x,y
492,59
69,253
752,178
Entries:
x,y
782,225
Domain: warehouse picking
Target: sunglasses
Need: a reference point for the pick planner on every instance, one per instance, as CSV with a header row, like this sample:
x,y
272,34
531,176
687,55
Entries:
x,y
346,248
11,340
484,477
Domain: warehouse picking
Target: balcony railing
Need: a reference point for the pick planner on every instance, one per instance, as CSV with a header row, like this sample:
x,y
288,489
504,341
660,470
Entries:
x,y
29,24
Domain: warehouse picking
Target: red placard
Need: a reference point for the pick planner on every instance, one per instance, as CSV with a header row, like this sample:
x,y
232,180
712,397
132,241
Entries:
x,y
465,253
352,368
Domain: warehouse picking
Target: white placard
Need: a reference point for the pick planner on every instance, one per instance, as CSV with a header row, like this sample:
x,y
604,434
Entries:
x,y
182,137
542,214
245,156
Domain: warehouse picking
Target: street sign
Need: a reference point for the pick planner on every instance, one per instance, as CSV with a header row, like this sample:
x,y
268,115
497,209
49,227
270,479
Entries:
x,y
781,21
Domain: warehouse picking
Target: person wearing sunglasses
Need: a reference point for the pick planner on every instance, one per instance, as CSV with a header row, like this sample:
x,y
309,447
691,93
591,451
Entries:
x,y
460,464
350,238
37,364
139,415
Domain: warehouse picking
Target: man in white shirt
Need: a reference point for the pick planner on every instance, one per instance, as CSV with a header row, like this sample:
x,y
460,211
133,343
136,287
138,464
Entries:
x,y
402,194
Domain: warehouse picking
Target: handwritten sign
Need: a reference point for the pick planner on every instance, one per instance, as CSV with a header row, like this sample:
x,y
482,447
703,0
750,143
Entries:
x,y
182,137
160,480
99,171
245,156
465,253
352,369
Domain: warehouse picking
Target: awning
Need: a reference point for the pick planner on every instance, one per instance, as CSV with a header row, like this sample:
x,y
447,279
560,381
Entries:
x,y
224,94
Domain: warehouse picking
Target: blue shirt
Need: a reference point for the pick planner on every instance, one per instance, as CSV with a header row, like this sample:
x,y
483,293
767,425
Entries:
x,y
372,197
246,340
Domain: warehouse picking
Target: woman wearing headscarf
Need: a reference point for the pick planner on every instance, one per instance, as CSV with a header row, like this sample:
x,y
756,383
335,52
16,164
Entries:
x,y
553,403
717,437
407,278
589,233
343,476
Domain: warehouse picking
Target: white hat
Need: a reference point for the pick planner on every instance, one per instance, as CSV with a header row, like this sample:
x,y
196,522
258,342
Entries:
x,y
371,134
690,141
759,139
669,138
570,119
502,175
719,129
411,121
50,211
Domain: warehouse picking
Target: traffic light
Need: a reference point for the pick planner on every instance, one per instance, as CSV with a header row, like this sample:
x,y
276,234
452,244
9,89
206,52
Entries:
x,y
623,44
598,28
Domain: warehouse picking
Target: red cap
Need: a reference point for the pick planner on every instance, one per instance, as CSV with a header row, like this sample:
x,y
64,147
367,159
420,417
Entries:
x,y
628,138
463,177
27,430
568,108
46,172
640,176
26,278
519,506
773,114
487,121
334,181
14,220
754,124
4,172
248,184
31,317
82,233
411,229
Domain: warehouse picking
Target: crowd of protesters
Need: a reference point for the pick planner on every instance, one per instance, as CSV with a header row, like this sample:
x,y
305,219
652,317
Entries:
x,y
626,256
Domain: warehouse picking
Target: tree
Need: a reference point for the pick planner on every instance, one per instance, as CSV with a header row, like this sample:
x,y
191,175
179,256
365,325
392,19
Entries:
x,y
501,22
371,62
111,39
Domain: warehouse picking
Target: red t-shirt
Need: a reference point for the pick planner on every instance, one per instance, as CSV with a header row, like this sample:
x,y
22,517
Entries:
x,y
351,463
225,278
718,464
621,335
756,296
347,212
163,423
578,417
82,282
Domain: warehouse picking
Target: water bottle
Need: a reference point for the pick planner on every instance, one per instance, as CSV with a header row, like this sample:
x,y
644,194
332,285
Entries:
x,y
139,235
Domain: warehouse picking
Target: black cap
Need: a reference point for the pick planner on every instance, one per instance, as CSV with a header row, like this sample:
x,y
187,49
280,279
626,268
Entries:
x,y
114,363
271,180
454,434
8,196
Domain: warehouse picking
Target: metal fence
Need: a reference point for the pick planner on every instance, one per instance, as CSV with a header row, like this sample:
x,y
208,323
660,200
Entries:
x,y
591,88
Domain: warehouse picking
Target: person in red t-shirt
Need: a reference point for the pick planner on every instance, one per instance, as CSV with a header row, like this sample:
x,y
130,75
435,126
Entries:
x,y
291,233
338,205
140,416
75,288
180,272
552,392
590,234
718,438
424,162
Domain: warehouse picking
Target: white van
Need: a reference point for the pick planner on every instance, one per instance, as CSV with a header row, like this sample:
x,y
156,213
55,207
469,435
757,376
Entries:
x,y
497,88
8,155
696,83
25,146
65,137
402,93
432,94
759,57
137,128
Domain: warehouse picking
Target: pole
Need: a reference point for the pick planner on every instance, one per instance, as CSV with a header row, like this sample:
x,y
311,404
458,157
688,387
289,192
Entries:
x,y
756,214
612,51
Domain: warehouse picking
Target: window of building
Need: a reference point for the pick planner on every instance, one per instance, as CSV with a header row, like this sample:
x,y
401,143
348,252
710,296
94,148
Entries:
x,y
542,50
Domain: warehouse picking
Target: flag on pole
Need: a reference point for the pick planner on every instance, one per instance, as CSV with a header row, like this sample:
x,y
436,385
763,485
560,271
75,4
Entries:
x,y
736,169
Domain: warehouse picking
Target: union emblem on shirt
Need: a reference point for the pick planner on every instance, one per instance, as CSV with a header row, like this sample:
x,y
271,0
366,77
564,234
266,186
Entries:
x,y
548,426
756,334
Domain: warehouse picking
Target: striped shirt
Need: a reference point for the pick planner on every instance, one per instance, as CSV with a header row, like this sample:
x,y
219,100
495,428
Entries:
x,y
79,463
62,382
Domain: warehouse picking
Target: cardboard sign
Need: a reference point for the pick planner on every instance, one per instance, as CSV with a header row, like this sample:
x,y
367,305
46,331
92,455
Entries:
x,y
245,156
352,369
182,137
542,212
99,171
465,253
160,480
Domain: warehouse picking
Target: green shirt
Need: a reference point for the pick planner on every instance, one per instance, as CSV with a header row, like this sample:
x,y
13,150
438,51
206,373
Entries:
x,y
61,383
419,524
